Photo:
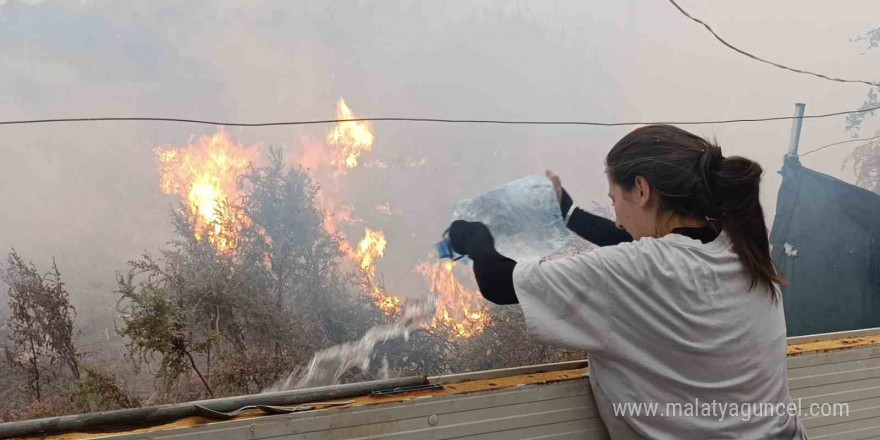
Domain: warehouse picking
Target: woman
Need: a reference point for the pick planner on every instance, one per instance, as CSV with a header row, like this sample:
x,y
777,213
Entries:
x,y
680,308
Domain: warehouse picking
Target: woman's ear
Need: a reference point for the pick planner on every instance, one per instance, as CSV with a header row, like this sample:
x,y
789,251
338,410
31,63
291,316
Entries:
x,y
642,192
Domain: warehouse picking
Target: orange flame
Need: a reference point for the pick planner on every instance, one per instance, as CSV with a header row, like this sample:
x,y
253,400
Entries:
x,y
459,309
370,249
349,139
204,173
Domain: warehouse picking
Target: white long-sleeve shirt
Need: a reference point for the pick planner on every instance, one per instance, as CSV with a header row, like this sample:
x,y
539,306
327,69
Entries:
x,y
668,322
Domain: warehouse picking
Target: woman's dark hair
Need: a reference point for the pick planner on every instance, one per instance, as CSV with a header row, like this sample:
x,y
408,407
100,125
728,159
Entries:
x,y
693,179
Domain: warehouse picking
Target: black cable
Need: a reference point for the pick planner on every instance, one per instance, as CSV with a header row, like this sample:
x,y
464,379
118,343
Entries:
x,y
838,143
450,121
757,58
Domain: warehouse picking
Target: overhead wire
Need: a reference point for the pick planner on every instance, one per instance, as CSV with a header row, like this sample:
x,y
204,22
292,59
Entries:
x,y
838,143
492,121
435,120
762,60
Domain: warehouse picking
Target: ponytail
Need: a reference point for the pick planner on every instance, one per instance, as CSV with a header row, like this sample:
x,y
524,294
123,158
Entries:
x,y
694,179
732,186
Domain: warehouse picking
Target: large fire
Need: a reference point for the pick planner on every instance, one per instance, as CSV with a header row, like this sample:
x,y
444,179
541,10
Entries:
x,y
204,173
459,309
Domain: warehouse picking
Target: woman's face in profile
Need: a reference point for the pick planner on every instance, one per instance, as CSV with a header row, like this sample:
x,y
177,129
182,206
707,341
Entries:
x,y
630,209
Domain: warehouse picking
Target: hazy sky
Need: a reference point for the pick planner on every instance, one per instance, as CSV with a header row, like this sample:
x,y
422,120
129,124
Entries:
x,y
88,193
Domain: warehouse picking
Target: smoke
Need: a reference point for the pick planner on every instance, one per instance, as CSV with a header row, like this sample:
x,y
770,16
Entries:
x,y
88,194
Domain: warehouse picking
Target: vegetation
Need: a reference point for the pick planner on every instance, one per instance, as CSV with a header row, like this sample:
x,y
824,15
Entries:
x,y
865,159
41,323
44,373
229,307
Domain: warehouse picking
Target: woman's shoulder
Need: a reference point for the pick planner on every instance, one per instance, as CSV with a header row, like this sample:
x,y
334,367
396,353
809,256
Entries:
x,y
670,243
644,246
647,254
651,252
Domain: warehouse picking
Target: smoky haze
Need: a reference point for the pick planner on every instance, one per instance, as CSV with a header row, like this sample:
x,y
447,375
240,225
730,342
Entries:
x,y
88,194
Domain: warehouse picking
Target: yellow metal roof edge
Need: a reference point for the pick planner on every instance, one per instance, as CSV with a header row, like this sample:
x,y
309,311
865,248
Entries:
x,y
843,334
833,345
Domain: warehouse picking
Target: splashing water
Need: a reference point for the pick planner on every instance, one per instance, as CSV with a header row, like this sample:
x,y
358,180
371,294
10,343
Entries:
x,y
327,366
526,222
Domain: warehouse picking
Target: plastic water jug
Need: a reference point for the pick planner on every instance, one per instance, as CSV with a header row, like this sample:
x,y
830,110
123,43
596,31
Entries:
x,y
523,216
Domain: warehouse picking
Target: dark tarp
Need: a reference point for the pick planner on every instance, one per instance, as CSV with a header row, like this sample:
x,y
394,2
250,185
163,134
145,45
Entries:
x,y
826,242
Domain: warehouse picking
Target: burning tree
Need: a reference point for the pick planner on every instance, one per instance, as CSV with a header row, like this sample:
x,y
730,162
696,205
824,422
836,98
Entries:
x,y
284,237
41,322
205,174
244,295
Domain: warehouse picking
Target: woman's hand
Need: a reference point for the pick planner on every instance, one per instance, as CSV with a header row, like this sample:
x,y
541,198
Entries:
x,y
467,237
557,185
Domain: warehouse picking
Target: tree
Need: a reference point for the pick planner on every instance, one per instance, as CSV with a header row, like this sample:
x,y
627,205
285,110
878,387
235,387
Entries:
x,y
156,321
284,238
41,321
871,38
196,306
865,158
242,301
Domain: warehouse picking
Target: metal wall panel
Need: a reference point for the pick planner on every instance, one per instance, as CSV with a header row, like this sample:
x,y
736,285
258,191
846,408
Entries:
x,y
559,411
850,376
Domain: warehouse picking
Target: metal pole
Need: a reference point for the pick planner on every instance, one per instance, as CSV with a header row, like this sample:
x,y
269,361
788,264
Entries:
x,y
796,125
